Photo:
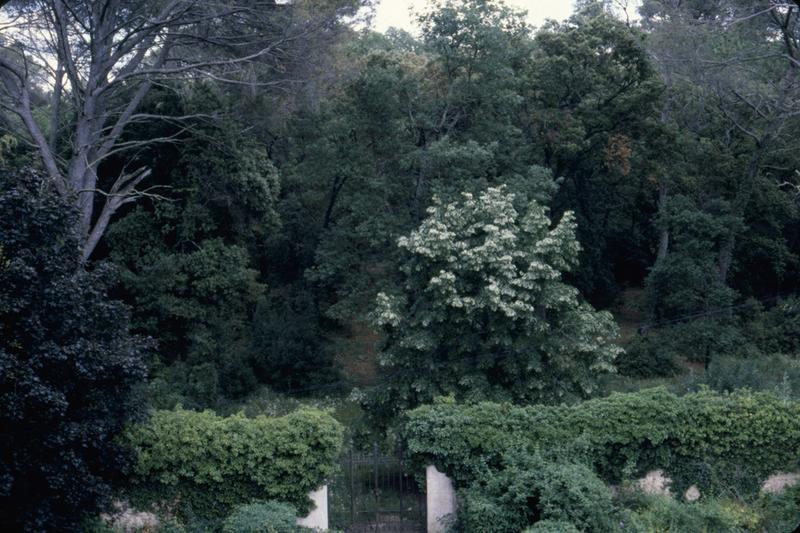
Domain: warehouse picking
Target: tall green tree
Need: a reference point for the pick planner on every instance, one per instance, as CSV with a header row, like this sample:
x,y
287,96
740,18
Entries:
x,y
190,259
690,305
591,109
436,116
482,309
732,69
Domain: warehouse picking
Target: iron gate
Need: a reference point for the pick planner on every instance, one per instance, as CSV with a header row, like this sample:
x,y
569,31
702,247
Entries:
x,y
375,492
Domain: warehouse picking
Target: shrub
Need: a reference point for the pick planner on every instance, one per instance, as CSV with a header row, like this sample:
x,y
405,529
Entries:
x,y
666,515
528,488
750,335
287,345
571,492
776,329
643,358
750,434
781,511
746,517
777,373
481,512
262,517
203,464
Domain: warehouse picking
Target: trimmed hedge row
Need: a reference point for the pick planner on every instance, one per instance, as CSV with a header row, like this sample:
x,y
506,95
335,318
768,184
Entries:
x,y
710,439
203,465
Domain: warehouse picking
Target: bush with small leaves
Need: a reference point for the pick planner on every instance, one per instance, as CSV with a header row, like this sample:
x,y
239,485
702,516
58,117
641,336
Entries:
x,y
781,511
643,358
262,517
528,488
667,515
776,373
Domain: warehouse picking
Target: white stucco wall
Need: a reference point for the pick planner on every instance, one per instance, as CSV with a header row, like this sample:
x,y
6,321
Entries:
x,y
441,499
318,517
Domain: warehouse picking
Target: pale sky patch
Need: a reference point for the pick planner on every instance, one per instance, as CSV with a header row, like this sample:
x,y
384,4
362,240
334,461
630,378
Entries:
x,y
397,12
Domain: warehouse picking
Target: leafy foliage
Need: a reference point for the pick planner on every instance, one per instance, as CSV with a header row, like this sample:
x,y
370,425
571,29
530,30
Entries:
x,y
204,465
663,513
777,373
754,341
69,367
529,489
718,442
269,222
646,356
593,98
686,285
436,116
189,261
774,329
262,517
781,511
199,304
552,526
483,312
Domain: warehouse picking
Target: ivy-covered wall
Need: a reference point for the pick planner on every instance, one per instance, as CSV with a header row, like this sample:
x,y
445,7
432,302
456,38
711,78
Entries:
x,y
705,438
202,465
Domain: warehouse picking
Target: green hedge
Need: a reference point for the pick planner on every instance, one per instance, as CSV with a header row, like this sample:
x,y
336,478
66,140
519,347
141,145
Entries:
x,y
262,517
202,465
710,439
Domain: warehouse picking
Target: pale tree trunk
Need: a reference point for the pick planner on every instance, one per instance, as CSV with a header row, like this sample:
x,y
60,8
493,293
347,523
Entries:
x,y
663,238
663,198
55,106
663,187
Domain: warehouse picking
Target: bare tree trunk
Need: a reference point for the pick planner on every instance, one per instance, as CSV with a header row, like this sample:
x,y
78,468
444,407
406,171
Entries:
x,y
663,239
56,106
336,188
663,188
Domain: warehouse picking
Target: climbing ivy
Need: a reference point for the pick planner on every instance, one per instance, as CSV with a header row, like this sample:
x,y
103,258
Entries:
x,y
204,465
709,439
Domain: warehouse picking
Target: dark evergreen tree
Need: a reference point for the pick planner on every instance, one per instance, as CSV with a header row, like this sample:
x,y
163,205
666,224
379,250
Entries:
x,y
69,368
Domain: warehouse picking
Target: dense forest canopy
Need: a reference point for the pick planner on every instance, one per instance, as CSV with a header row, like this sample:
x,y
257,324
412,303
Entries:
x,y
249,197
248,167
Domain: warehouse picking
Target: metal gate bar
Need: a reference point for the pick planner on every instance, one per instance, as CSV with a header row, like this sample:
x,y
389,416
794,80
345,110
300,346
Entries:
x,y
375,492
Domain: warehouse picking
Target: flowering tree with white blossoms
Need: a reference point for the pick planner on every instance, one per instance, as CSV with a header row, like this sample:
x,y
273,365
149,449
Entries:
x,y
482,311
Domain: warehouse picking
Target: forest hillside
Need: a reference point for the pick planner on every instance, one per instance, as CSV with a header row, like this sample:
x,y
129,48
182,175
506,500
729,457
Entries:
x,y
243,242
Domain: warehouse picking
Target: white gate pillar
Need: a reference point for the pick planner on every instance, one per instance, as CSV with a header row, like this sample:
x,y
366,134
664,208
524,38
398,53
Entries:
x,y
440,499
317,519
